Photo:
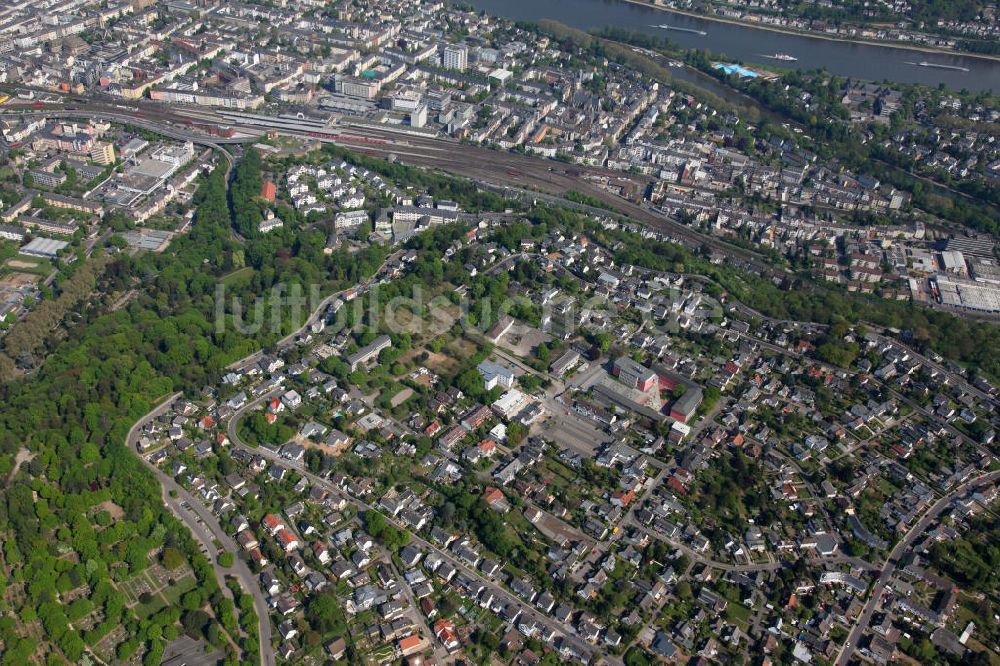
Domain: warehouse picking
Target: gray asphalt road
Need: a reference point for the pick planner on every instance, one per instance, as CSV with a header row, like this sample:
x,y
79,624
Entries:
x,y
582,647
206,528
889,567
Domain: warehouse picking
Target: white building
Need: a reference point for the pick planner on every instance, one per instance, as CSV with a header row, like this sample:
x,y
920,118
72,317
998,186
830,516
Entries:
x,y
495,374
511,403
418,117
455,56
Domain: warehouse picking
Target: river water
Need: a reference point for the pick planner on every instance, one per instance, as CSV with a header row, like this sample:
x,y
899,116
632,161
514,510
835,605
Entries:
x,y
752,45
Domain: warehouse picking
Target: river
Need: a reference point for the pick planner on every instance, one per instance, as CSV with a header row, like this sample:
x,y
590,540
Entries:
x,y
751,45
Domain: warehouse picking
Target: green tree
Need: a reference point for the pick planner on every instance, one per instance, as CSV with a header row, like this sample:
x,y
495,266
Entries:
x,y
324,613
172,559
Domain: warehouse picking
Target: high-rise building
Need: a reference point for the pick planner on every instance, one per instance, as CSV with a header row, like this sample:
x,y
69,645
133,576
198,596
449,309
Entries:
x,y
455,56
356,87
418,117
103,153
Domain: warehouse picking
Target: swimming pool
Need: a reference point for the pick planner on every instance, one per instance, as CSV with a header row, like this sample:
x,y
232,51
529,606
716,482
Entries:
x,y
739,70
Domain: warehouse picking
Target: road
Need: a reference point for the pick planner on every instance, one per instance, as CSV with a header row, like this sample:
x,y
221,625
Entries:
x,y
519,175
889,566
531,177
482,166
357,290
880,333
498,591
22,456
856,632
578,644
415,613
568,633
206,529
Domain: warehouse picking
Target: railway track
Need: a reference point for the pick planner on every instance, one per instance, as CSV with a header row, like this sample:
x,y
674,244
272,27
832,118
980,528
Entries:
x,y
524,173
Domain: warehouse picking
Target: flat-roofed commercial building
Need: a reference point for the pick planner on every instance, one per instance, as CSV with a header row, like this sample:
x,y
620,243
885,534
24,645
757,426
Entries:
x,y
45,248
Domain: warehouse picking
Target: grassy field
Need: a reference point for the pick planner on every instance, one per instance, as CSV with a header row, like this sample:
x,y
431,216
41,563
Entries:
x,y
738,613
160,597
173,593
144,610
27,265
240,274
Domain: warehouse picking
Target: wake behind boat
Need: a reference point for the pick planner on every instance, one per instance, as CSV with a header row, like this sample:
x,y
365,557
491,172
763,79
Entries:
x,y
664,26
781,56
938,65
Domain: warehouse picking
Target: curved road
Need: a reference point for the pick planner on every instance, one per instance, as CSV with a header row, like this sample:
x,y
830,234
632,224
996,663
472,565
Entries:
x,y
358,289
246,577
472,162
889,566
206,528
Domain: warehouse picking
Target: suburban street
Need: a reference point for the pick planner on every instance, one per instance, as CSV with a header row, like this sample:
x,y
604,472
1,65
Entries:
x,y
683,347
889,566
579,645
206,528
500,170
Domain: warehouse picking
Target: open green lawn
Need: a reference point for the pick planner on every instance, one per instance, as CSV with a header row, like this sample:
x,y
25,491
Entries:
x,y
173,593
41,266
563,480
738,613
142,610
239,275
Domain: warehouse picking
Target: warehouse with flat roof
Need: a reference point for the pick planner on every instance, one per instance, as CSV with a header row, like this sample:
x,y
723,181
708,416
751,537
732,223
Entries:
x,y
46,248
969,295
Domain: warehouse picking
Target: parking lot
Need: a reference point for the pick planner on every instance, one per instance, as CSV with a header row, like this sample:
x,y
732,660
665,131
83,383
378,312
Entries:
x,y
571,430
188,652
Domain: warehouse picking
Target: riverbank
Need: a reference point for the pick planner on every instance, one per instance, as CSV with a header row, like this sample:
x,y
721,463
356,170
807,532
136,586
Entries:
x,y
813,35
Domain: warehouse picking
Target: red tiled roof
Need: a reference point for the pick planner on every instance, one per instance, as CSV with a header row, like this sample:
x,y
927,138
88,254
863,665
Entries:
x,y
268,191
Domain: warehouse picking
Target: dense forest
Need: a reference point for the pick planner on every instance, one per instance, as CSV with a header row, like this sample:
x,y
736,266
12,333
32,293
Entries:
x,y
243,194
70,419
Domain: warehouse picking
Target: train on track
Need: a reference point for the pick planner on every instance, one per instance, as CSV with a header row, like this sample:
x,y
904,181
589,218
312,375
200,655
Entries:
x,y
299,124
224,131
345,137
